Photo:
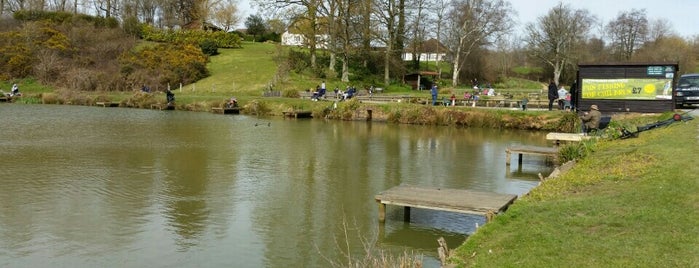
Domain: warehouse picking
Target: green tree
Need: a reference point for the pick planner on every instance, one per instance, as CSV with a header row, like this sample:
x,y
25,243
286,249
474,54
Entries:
x,y
255,26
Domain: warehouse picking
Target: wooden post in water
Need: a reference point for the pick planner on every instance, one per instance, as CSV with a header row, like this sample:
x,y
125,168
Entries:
x,y
382,211
519,161
489,216
406,214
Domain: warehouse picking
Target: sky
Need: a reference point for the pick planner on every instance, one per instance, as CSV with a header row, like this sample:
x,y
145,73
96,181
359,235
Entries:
x,y
682,14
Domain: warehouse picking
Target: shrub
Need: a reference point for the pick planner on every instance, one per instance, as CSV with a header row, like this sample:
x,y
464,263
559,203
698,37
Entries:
x,y
209,47
289,93
577,150
257,107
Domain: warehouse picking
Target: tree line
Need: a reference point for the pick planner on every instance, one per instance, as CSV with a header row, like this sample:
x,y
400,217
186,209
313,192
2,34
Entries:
x,y
479,35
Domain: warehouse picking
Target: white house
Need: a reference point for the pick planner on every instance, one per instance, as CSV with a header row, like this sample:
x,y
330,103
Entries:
x,y
294,39
430,50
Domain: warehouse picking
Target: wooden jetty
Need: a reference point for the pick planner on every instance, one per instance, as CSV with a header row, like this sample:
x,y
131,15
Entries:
x,y
219,110
452,200
554,136
299,114
162,106
531,150
107,104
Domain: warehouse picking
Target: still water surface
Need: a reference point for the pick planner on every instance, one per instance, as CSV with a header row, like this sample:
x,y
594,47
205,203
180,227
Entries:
x,y
112,187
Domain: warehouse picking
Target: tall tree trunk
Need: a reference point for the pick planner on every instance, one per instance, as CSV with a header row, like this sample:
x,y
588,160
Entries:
x,y
387,65
366,32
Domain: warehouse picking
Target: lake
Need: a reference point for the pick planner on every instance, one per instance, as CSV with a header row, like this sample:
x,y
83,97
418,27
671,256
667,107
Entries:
x,y
118,187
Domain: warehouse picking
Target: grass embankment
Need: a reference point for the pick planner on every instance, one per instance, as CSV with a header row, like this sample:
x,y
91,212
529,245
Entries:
x,y
631,203
243,73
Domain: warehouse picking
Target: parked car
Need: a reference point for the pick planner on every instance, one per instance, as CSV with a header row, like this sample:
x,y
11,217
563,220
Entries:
x,y
687,90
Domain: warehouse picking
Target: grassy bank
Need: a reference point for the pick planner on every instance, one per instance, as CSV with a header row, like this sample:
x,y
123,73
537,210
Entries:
x,y
632,203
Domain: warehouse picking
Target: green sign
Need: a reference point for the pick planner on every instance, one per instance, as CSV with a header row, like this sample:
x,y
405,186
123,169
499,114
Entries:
x,y
627,89
655,70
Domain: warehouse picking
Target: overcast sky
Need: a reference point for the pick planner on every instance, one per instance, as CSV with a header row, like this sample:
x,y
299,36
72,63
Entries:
x,y
682,14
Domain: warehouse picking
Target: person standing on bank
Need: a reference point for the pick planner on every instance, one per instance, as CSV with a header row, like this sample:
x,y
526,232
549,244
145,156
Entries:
x,y
552,94
591,119
434,92
573,96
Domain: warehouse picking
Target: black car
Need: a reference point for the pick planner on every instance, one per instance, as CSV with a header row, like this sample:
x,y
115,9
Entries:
x,y
687,90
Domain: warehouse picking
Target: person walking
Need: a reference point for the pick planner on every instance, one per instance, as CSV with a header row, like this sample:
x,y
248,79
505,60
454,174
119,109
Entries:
x,y
552,94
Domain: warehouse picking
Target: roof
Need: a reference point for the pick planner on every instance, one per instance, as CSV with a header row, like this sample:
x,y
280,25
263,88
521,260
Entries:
x,y
587,64
433,46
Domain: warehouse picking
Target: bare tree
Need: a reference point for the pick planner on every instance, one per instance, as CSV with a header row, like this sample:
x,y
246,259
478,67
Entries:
x,y
660,28
627,32
440,12
225,15
417,30
555,36
476,23
388,13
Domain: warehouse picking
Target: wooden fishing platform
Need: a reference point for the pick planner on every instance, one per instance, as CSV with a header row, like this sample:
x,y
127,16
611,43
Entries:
x,y
162,106
299,114
219,110
442,199
554,136
107,104
531,150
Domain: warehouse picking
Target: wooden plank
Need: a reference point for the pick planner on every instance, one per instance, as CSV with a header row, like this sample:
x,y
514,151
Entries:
x,y
162,106
106,104
443,199
219,110
531,150
554,136
298,114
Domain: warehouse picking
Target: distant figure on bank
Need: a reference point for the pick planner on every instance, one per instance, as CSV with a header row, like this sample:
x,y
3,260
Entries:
x,y
552,94
566,102
145,89
591,119
562,92
14,91
573,96
232,103
170,97
525,101
434,92
453,100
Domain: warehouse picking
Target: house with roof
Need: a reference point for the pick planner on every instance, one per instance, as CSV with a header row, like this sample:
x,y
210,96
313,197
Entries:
x,y
429,50
294,36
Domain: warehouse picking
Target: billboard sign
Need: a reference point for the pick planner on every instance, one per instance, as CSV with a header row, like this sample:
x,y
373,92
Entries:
x,y
628,88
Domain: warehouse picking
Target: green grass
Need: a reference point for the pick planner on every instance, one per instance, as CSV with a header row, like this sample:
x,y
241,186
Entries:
x,y
632,203
243,71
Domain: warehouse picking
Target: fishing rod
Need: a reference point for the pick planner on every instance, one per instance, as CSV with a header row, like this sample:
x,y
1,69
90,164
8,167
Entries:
x,y
625,133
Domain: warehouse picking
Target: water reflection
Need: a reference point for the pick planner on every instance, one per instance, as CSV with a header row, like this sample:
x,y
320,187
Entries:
x,y
123,187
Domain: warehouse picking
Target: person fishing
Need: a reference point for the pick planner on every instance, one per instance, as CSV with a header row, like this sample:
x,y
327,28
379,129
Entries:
x,y
232,103
591,119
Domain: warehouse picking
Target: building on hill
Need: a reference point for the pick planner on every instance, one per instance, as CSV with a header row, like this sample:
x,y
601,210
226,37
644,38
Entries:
x,y
300,40
429,50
